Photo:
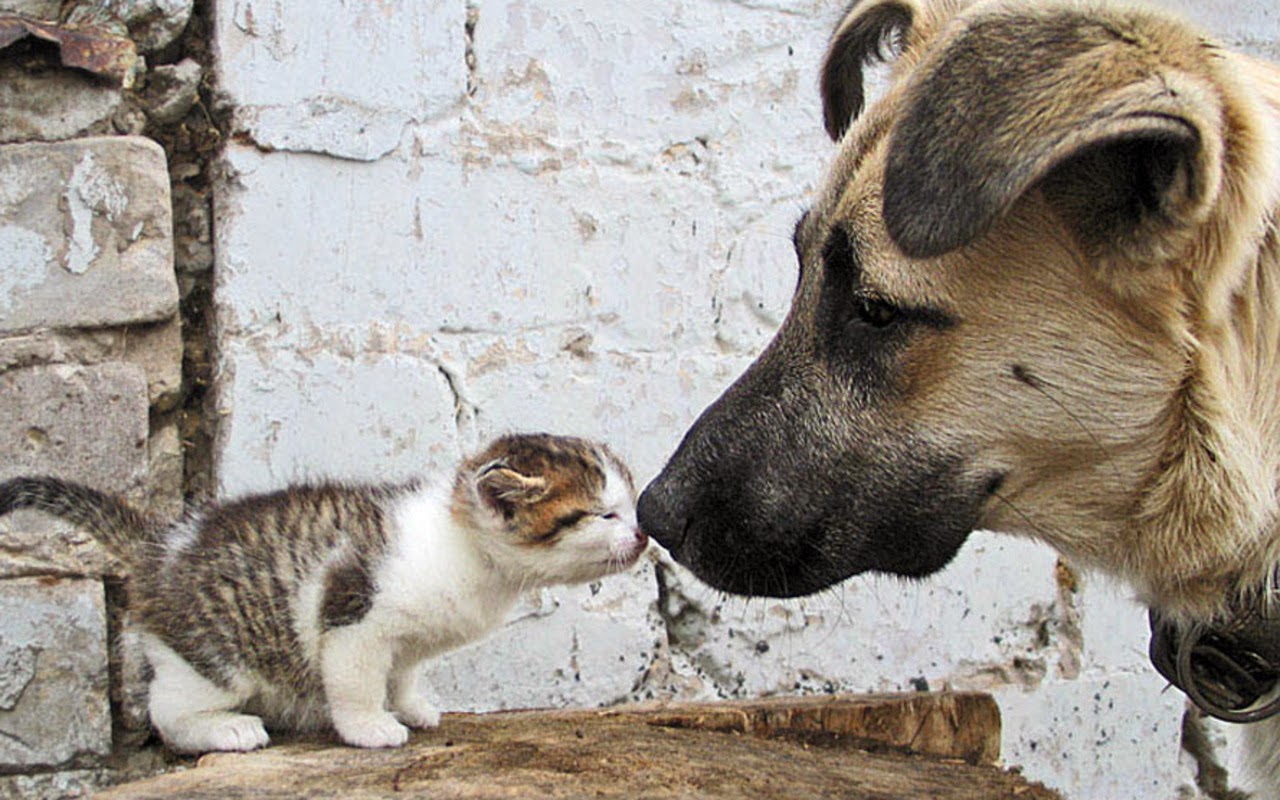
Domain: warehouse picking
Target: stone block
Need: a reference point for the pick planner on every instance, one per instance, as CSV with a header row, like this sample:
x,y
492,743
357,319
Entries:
x,y
164,477
172,90
155,348
88,424
37,9
86,235
53,672
316,413
153,24
54,104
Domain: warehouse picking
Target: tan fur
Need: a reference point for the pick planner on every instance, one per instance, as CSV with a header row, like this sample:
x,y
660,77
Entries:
x,y
1039,293
1160,343
1152,350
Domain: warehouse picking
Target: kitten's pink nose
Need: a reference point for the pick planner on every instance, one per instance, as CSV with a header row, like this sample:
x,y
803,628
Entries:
x,y
642,538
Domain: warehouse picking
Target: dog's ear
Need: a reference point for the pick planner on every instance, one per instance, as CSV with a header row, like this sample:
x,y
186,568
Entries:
x,y
1108,116
870,32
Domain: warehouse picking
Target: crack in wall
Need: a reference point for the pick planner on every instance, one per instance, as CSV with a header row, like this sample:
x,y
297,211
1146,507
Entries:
x,y
469,54
193,145
1212,778
687,623
464,411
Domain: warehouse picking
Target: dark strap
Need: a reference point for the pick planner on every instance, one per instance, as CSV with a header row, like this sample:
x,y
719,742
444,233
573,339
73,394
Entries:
x,y
1231,671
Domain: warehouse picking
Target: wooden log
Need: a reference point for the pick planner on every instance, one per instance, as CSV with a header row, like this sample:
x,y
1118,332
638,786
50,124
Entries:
x,y
779,748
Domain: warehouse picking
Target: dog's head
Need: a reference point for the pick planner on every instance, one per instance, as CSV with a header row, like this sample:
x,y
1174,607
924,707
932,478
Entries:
x,y
1013,293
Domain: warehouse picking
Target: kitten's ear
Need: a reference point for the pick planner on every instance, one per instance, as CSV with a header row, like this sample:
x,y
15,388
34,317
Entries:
x,y
503,488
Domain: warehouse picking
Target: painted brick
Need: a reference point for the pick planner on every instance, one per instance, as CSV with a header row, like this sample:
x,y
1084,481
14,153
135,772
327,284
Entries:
x,y
581,222
340,78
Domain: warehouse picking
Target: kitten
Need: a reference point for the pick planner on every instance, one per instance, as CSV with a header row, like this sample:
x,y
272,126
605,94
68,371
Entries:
x,y
314,605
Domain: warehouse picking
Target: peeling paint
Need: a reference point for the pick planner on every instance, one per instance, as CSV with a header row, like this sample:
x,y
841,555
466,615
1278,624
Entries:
x,y
90,192
326,125
24,256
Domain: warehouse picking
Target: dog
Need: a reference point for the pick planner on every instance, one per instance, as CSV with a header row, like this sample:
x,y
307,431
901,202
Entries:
x,y
1039,293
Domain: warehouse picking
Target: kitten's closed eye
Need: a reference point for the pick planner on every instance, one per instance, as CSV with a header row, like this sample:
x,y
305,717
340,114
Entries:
x,y
574,517
566,521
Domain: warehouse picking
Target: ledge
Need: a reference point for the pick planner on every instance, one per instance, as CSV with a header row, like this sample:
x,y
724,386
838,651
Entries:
x,y
940,746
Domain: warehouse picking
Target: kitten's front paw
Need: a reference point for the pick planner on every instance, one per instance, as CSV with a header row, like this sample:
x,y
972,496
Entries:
x,y
210,731
416,712
370,729
242,733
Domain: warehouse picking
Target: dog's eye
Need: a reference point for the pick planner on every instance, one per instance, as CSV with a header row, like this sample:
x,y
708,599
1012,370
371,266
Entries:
x,y
876,313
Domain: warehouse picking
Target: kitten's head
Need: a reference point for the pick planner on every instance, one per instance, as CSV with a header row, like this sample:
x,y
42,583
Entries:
x,y
553,509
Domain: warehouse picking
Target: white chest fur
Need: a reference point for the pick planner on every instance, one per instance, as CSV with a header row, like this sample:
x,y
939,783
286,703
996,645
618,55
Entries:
x,y
437,589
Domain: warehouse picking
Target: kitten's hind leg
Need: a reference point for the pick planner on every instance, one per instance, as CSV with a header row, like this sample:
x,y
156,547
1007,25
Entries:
x,y
355,663
409,705
193,714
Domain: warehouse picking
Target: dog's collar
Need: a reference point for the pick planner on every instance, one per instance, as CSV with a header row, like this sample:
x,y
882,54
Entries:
x,y
1230,669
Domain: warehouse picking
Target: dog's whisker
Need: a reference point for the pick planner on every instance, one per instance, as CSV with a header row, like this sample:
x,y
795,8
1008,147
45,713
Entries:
x,y
1036,529
1042,386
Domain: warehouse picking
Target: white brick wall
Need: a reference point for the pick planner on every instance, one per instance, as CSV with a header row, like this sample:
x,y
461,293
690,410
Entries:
x,y
596,241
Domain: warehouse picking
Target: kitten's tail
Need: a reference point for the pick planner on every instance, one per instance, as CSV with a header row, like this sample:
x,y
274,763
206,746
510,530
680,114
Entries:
x,y
124,530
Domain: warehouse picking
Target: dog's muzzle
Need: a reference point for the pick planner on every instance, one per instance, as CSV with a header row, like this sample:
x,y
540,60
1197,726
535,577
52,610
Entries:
x,y
1231,672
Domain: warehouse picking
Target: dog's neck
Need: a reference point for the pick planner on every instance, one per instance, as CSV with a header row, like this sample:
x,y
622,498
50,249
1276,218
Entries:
x,y
1207,534
1229,668
1200,552
1215,632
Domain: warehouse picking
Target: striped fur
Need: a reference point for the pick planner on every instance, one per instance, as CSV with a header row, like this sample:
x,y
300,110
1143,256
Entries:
x,y
313,605
127,532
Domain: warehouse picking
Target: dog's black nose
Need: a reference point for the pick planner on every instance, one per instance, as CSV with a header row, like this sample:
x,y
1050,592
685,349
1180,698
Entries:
x,y
660,517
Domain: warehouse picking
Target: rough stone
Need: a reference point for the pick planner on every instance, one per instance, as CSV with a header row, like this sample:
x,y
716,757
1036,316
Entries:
x,y
154,348
157,350
172,90
36,9
85,234
54,104
54,785
84,423
153,24
53,705
164,473
780,750
192,231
